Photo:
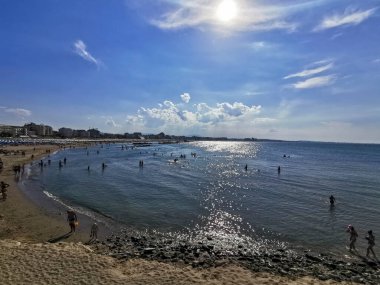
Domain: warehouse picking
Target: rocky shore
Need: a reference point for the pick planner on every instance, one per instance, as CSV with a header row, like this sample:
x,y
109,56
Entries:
x,y
208,254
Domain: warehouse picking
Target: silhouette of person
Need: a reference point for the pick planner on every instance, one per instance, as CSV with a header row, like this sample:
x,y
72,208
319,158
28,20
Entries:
x,y
332,200
72,219
353,236
371,243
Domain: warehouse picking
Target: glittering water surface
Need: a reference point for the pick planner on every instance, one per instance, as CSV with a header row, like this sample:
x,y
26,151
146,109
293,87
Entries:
x,y
212,195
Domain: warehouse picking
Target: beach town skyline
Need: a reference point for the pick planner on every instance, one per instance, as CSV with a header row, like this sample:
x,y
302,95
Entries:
x,y
300,70
40,131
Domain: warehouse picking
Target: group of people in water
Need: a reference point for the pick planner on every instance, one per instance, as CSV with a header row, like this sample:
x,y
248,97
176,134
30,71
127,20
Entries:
x,y
354,235
73,219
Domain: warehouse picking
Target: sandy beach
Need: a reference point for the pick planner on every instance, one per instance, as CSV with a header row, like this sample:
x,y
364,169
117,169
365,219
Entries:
x,y
28,258
74,263
21,219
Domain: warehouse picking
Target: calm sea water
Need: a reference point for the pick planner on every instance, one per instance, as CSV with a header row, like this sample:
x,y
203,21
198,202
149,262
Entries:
x,y
212,194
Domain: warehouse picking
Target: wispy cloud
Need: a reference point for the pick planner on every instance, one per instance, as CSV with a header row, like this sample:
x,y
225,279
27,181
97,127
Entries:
x,y
261,46
80,49
315,82
338,35
349,18
377,60
251,15
310,72
110,122
17,111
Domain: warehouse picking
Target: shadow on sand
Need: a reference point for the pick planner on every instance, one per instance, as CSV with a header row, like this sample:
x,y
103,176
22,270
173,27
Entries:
x,y
60,238
91,241
372,262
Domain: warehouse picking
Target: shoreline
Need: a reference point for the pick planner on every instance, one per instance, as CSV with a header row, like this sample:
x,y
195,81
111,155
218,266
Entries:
x,y
207,254
21,218
23,221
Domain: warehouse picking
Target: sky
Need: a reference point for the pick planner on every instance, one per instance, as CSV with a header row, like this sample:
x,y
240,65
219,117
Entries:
x,y
275,69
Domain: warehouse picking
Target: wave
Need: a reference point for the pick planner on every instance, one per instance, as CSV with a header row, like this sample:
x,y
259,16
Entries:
x,y
77,209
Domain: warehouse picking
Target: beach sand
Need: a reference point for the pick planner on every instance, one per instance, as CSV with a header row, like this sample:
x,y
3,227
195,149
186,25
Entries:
x,y
74,263
20,219
27,258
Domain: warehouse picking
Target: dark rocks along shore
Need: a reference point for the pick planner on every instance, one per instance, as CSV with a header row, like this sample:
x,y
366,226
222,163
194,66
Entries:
x,y
207,253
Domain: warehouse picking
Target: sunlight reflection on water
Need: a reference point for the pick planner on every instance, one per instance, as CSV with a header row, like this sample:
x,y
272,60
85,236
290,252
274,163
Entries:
x,y
239,149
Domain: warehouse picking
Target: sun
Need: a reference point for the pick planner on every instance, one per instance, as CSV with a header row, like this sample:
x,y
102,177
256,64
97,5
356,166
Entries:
x,y
226,11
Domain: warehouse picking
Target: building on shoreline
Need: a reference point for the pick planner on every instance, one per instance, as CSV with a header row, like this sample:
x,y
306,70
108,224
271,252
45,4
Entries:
x,y
34,130
38,130
12,131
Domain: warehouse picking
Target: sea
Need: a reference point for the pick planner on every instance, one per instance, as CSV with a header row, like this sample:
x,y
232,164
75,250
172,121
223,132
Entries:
x,y
228,191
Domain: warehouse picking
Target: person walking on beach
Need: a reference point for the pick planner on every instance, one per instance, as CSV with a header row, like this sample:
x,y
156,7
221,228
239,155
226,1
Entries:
x,y
72,219
353,236
371,243
94,231
4,190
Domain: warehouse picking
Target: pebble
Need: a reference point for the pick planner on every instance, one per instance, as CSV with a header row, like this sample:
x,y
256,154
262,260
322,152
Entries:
x,y
203,254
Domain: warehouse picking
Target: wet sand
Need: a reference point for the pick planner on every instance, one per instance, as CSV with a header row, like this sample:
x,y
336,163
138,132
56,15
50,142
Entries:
x,y
27,257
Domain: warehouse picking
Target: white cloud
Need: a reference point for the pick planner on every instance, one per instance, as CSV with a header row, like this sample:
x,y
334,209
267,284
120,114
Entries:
x,y
185,97
110,122
17,111
251,15
349,18
377,60
313,71
80,49
177,117
315,82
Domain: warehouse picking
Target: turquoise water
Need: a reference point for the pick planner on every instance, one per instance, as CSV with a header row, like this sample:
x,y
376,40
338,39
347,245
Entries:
x,y
212,194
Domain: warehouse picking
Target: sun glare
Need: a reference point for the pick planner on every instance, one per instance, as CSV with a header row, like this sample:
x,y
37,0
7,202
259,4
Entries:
x,y
227,10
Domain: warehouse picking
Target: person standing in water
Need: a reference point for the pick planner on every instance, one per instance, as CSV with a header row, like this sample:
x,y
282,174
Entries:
x,y
371,243
353,236
332,200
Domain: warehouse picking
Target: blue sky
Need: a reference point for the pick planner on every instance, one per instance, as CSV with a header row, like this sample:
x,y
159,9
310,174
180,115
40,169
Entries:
x,y
281,69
